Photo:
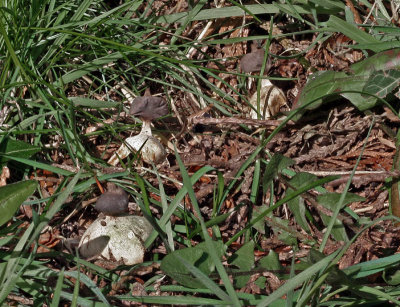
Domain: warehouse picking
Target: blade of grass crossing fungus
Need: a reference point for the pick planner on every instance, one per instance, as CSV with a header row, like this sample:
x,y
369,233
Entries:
x,y
224,276
159,229
145,197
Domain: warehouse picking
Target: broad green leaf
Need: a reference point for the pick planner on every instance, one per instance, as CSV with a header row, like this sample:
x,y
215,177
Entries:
x,y
385,60
320,84
363,71
329,200
271,261
277,163
377,75
259,225
296,205
15,148
381,83
300,180
285,233
198,256
261,282
380,46
244,260
12,196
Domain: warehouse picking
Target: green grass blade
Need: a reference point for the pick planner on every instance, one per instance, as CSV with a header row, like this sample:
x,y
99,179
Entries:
x,y
57,290
176,202
205,280
89,283
361,37
298,280
220,268
296,193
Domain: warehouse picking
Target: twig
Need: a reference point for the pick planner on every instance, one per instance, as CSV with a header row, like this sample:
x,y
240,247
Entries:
x,y
360,177
235,121
379,174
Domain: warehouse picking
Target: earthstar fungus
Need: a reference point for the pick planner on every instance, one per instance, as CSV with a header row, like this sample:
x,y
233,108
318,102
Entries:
x,y
114,235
